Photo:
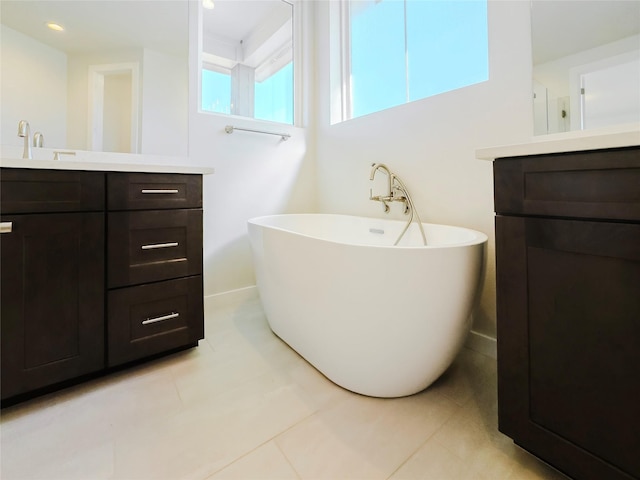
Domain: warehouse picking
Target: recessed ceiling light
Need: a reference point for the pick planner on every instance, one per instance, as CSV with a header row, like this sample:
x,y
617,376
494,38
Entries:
x,y
208,4
55,26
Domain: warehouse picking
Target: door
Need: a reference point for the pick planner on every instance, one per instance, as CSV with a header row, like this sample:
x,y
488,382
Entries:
x,y
52,299
568,332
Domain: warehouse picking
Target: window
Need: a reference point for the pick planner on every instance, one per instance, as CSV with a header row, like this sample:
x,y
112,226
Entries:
x,y
247,59
274,96
398,51
216,91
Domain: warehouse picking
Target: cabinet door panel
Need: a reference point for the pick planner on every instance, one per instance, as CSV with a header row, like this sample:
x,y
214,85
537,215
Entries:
x,y
596,184
154,245
152,191
568,330
39,191
52,304
149,319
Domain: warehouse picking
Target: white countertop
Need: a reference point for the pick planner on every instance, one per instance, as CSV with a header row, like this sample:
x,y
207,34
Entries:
x,y
100,161
614,137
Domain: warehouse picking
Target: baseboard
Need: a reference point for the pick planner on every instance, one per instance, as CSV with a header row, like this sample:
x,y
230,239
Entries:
x,y
482,343
232,297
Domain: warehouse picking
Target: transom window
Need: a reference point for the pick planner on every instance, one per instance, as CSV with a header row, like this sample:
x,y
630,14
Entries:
x,y
398,51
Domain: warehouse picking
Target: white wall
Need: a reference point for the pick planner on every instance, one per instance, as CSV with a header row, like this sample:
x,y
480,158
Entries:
x,y
78,90
165,104
163,93
254,175
34,88
561,77
431,143
555,75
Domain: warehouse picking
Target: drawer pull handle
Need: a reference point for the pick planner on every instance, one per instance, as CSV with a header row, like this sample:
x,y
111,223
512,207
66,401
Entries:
x,y
153,246
6,227
160,319
161,191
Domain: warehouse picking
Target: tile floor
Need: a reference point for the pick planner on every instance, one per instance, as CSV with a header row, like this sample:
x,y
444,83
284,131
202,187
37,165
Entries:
x,y
243,405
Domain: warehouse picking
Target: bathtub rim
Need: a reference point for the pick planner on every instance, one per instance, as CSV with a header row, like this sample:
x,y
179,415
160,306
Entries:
x,y
480,238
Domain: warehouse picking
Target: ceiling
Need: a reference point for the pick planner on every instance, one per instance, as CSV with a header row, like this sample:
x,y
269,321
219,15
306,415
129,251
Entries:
x,y
565,27
162,25
94,25
559,27
235,20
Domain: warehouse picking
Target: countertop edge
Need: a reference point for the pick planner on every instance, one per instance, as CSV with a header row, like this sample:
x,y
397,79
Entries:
x,y
570,142
104,166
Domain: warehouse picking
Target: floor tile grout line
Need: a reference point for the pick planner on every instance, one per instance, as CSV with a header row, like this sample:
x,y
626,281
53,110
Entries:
x,y
271,439
422,444
298,474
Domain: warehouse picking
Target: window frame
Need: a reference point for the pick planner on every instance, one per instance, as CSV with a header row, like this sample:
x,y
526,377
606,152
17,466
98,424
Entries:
x,y
300,15
342,108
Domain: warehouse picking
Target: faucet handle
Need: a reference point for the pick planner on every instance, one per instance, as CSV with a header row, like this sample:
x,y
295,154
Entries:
x,y
380,198
57,153
38,139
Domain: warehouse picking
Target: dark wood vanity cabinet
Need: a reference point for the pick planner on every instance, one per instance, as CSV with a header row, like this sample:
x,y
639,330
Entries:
x,y
155,297
51,277
568,287
98,269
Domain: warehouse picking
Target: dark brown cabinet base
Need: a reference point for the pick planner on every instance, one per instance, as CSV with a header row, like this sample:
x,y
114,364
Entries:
x,y
86,287
52,297
568,284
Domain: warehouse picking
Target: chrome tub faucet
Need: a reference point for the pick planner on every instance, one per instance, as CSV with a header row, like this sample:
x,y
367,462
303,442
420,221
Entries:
x,y
396,192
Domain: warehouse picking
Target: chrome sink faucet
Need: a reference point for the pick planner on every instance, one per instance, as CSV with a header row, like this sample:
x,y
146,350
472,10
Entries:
x,y
25,131
396,192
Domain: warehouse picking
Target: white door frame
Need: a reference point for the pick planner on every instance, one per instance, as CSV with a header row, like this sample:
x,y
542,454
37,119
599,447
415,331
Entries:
x,y
95,130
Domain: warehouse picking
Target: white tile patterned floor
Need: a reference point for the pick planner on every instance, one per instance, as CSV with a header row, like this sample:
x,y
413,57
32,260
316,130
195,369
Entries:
x,y
243,405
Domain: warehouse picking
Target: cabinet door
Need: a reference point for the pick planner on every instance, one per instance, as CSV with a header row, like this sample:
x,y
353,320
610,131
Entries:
x,y
568,334
52,299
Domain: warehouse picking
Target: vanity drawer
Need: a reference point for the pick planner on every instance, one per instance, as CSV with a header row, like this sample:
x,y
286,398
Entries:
x,y
149,246
26,190
150,319
140,191
603,184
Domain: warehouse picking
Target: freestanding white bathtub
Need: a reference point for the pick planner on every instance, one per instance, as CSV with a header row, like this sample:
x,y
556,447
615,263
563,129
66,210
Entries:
x,y
376,319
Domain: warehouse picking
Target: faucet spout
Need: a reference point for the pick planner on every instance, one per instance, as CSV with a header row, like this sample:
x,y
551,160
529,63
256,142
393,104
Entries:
x,y
381,166
25,131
